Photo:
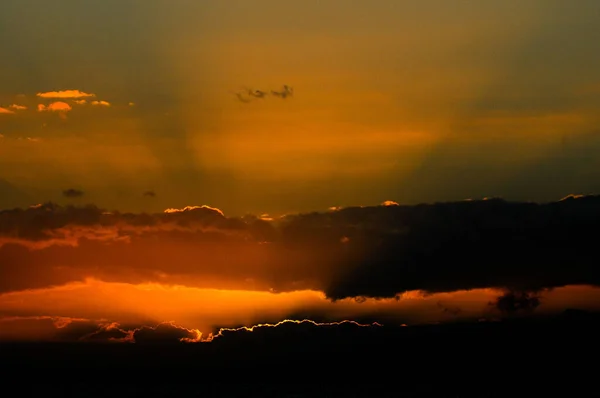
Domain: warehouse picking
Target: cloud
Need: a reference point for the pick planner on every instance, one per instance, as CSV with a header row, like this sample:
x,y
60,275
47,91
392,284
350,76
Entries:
x,y
165,333
17,107
65,94
80,102
100,103
354,252
70,329
5,111
58,106
150,194
248,95
72,193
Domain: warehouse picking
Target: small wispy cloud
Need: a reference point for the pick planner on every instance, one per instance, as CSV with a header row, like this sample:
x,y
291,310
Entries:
x,y
17,107
5,111
150,194
100,103
80,102
248,95
65,94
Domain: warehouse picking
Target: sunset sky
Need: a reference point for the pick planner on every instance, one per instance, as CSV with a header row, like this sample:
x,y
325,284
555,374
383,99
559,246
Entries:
x,y
412,101
275,108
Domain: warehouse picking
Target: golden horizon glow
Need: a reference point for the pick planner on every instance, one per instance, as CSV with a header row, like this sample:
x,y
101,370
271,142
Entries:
x,y
208,313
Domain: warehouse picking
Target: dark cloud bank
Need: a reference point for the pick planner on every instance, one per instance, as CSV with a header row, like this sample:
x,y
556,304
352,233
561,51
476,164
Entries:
x,y
378,251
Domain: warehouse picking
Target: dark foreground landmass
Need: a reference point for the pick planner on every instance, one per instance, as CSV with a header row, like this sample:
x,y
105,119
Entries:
x,y
519,357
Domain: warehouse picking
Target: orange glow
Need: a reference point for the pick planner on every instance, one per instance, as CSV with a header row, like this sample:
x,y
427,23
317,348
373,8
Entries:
x,y
211,312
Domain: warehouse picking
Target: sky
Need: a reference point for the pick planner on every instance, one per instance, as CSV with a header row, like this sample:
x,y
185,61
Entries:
x,y
393,100
189,136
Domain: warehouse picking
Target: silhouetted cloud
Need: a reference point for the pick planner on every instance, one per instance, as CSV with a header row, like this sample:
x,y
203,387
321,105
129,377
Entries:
x,y
72,193
165,333
56,328
150,194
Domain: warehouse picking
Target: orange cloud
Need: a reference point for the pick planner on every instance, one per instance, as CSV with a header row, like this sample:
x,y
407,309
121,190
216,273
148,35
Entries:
x,y
5,111
17,107
100,103
57,106
80,102
65,94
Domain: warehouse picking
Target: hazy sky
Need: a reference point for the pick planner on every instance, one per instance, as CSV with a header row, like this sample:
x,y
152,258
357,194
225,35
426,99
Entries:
x,y
409,101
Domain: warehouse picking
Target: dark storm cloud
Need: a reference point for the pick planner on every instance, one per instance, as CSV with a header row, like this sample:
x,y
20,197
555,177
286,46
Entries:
x,y
72,193
378,251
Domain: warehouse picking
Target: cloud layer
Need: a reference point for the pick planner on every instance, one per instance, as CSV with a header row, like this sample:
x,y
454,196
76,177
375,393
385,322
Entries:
x,y
379,251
